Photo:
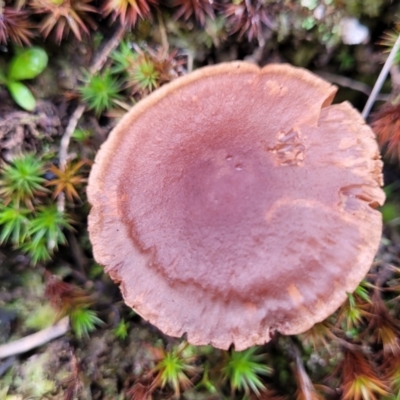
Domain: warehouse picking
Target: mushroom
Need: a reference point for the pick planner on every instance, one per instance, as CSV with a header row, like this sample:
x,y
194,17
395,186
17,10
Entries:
x,y
237,201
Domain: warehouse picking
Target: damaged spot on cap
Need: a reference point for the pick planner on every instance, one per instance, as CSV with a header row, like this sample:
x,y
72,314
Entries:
x,y
295,294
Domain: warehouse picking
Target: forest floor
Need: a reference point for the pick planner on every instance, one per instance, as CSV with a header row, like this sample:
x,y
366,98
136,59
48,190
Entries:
x,y
47,271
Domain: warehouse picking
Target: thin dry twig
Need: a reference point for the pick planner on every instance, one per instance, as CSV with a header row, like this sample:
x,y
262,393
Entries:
x,y
163,33
381,79
395,78
97,64
304,380
35,340
105,51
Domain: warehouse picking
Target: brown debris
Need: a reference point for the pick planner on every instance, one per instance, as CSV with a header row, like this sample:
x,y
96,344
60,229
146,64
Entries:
x,y
200,9
15,26
359,378
22,132
248,17
386,125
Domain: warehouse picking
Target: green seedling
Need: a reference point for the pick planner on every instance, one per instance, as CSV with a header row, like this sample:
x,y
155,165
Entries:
x,y
43,233
84,321
174,367
121,331
100,91
27,64
37,251
48,225
14,223
243,369
123,58
22,179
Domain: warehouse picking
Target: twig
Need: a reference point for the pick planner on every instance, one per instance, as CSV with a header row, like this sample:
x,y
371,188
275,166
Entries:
x,y
351,84
163,34
6,365
381,79
105,51
35,340
98,62
305,382
63,153
395,78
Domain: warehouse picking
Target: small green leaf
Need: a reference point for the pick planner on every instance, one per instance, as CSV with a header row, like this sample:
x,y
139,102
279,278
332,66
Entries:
x,y
22,95
28,64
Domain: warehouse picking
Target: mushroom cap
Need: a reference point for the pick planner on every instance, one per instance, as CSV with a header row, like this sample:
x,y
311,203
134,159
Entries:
x,y
235,202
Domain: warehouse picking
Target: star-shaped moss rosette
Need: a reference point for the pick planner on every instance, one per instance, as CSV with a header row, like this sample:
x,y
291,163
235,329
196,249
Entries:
x,y
237,201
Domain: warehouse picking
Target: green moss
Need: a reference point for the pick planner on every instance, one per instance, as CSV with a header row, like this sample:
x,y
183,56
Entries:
x,y
358,8
41,317
33,379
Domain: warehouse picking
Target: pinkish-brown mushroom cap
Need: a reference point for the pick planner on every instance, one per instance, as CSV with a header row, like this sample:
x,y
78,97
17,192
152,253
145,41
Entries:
x,y
236,201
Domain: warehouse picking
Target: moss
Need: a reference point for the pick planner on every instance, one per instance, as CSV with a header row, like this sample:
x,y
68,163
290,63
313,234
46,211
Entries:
x,y
41,317
34,380
358,8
